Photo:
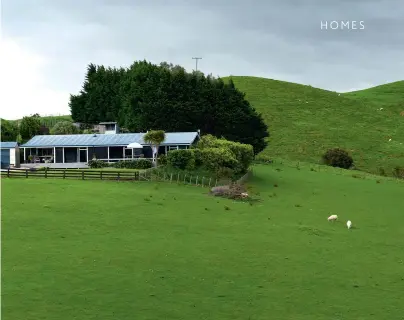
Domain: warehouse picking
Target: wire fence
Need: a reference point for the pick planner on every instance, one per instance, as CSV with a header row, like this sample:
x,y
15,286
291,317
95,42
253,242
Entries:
x,y
144,175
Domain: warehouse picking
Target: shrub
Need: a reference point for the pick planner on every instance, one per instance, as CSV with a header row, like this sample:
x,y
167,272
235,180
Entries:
x,y
215,158
162,159
263,159
135,164
225,173
97,164
243,153
338,158
398,172
198,157
181,159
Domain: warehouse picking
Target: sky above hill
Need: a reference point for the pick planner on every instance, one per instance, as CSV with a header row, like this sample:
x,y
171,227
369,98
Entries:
x,y
47,44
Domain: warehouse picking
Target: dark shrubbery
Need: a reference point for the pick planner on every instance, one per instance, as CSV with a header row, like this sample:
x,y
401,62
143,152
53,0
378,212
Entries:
x,y
97,164
135,164
398,172
162,160
181,159
338,158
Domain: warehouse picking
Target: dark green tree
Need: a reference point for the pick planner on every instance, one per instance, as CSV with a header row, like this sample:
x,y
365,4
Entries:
x,y
29,127
9,130
164,96
64,127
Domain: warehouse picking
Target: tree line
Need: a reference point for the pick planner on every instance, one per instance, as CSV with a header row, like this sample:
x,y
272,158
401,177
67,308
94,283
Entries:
x,y
146,96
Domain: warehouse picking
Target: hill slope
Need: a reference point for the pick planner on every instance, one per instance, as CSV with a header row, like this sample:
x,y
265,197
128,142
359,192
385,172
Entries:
x,y
384,95
305,121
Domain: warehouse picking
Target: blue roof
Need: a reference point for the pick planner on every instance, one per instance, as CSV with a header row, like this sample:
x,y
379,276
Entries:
x,y
120,139
8,144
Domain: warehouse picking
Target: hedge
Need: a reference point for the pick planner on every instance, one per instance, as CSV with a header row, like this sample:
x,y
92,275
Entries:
x,y
181,159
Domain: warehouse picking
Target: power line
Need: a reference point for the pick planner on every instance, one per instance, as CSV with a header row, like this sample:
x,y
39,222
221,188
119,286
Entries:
x,y
196,62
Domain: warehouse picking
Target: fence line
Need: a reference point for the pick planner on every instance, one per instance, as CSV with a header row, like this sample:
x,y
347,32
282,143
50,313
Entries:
x,y
147,175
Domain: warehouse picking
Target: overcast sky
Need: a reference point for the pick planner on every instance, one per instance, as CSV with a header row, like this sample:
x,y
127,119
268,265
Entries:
x,y
47,44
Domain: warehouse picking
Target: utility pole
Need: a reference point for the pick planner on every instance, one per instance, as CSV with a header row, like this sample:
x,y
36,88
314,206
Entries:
x,y
196,63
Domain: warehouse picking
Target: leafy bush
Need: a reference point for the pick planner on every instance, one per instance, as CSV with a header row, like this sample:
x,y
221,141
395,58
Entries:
x,y
398,172
225,173
97,164
243,153
198,157
338,158
181,159
263,159
134,164
162,159
215,158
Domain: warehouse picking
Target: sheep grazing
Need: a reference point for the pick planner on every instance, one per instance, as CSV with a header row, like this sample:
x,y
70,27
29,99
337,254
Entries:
x,y
332,217
349,224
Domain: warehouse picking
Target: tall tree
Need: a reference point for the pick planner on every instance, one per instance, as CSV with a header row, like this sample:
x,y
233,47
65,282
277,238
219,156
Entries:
x,y
30,126
9,130
148,96
64,127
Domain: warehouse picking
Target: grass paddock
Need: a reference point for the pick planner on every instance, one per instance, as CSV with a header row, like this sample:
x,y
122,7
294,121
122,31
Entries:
x,y
122,250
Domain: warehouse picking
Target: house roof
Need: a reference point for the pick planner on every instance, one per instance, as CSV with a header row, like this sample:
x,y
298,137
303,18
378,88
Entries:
x,y
97,140
8,144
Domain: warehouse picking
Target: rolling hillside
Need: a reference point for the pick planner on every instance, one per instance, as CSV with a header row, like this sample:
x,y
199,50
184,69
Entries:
x,y
305,121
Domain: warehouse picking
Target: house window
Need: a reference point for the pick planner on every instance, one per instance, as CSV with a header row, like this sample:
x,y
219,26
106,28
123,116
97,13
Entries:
x,y
128,153
172,148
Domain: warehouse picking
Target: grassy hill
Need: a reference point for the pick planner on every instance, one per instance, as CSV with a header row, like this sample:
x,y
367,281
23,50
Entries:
x,y
391,94
306,121
150,250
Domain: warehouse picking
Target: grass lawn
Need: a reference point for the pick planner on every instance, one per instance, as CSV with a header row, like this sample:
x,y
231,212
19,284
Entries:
x,y
109,250
304,121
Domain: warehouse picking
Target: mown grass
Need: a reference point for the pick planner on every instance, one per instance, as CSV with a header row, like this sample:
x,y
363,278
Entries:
x,y
109,250
304,121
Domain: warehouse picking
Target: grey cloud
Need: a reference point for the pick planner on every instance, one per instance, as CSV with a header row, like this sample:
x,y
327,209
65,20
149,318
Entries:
x,y
263,38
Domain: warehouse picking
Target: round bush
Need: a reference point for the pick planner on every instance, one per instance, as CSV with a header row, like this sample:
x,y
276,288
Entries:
x,y
181,159
134,164
97,164
338,158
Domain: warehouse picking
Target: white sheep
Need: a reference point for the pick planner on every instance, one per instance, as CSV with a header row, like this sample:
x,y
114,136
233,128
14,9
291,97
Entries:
x,y
332,217
349,224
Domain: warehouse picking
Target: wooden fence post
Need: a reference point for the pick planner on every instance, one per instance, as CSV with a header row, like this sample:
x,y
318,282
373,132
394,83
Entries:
x,y
8,172
119,175
46,173
100,175
82,175
26,173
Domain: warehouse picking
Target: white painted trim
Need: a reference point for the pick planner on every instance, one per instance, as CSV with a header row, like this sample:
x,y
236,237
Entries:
x,y
63,155
54,154
108,153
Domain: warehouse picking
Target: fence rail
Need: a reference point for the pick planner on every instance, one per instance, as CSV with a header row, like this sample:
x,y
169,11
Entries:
x,y
146,175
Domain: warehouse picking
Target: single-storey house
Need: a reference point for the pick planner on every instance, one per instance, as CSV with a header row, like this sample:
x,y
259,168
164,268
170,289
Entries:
x,y
80,148
9,154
